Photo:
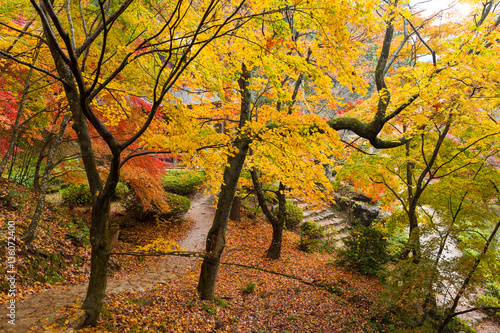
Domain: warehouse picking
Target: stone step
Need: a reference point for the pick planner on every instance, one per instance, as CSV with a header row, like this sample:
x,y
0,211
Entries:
x,y
337,228
313,213
331,222
324,215
336,236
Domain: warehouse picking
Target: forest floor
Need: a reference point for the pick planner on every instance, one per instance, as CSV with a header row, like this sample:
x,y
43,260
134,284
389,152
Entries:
x,y
158,294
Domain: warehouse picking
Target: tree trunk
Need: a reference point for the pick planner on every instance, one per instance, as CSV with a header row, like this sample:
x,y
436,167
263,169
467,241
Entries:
x,y
99,238
216,238
465,284
100,208
235,214
278,223
29,235
37,186
99,257
413,245
20,111
274,251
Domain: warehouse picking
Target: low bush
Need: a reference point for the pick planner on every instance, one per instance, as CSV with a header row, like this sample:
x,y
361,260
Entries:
x,y
397,243
311,235
294,215
248,288
76,195
491,298
121,191
178,205
77,232
311,230
365,251
13,198
182,182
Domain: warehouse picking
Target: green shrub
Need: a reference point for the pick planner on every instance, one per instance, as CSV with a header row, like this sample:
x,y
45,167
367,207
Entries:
x,y
294,215
311,235
182,182
365,251
491,298
311,230
178,205
397,243
121,191
76,195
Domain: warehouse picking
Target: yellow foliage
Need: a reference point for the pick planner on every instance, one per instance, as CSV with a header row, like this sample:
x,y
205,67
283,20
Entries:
x,y
160,245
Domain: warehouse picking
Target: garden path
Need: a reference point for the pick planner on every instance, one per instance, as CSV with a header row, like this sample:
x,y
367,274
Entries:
x,y
38,310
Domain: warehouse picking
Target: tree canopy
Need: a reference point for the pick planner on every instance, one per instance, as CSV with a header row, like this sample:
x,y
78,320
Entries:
x,y
401,105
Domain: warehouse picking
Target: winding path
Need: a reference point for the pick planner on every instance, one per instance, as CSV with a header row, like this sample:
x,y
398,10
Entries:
x,y
39,309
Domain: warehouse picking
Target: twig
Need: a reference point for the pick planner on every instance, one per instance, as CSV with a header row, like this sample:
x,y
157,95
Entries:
x,y
272,272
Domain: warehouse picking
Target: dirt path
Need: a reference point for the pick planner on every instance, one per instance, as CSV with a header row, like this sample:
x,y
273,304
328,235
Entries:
x,y
36,311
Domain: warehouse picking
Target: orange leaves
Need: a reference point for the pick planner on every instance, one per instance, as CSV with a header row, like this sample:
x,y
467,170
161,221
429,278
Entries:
x,y
277,303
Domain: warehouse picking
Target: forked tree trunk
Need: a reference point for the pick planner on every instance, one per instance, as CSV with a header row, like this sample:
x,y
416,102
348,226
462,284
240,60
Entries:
x,y
216,238
101,197
278,223
274,251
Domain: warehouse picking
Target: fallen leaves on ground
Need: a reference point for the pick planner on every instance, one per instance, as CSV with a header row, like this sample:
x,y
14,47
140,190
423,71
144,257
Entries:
x,y
339,300
60,253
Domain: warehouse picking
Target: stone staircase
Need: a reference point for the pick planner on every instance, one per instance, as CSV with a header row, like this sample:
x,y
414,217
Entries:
x,y
335,224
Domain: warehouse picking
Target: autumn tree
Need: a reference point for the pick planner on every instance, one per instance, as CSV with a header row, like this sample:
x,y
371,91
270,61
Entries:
x,y
369,126
97,50
448,164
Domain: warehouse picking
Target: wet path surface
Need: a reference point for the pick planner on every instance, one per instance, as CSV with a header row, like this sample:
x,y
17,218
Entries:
x,y
38,310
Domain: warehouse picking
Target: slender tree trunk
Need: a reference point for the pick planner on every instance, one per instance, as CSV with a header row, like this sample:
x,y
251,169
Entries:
x,y
413,245
216,238
20,111
36,175
465,284
274,251
29,235
277,222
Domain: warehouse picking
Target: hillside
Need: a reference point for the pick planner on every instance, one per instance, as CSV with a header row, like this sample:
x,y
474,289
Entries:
x,y
301,292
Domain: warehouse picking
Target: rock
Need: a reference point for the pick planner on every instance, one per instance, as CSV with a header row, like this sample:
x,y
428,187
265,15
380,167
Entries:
x,y
359,211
